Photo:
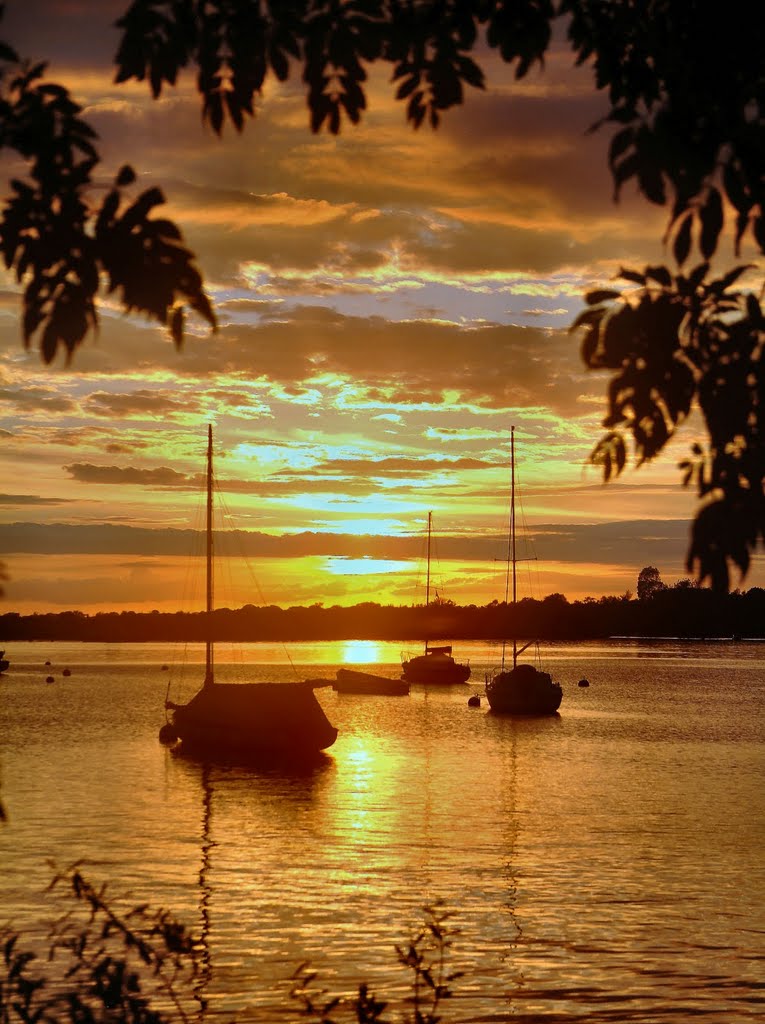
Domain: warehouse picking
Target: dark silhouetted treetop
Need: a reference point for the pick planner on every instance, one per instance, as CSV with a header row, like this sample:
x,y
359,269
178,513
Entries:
x,y
683,84
683,87
59,244
649,583
676,342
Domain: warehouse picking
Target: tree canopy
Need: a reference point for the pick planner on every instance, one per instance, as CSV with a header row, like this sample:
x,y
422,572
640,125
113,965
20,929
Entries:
x,y
683,88
649,583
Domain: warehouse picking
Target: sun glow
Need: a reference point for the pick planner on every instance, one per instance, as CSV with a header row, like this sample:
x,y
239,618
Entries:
x,y
371,777
364,527
361,652
338,565
335,512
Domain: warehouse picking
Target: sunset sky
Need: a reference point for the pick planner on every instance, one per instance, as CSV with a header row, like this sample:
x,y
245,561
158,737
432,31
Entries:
x,y
390,302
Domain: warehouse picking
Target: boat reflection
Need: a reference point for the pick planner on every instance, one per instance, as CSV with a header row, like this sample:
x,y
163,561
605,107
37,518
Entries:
x,y
227,882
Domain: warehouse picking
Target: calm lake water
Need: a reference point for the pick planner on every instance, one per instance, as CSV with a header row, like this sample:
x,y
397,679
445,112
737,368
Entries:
x,y
607,864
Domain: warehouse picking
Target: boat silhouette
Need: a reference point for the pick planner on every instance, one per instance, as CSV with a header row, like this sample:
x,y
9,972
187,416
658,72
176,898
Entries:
x,y
436,664
523,689
252,720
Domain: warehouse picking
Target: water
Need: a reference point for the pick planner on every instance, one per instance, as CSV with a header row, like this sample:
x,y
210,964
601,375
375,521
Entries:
x,y
606,864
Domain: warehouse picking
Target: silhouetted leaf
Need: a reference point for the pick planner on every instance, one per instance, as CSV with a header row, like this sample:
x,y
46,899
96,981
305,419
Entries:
x,y
632,275
753,310
697,275
651,182
734,187
589,316
623,170
620,452
7,53
125,176
407,87
176,326
601,295
759,232
589,346
659,274
620,143
722,285
682,243
711,215
213,111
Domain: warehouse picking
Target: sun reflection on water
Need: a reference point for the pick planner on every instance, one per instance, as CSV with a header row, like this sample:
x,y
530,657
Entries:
x,y
366,803
360,652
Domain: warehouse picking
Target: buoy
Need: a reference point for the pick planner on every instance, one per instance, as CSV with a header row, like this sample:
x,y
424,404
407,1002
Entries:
x,y
50,679
167,734
164,668
584,682
47,663
474,701
66,672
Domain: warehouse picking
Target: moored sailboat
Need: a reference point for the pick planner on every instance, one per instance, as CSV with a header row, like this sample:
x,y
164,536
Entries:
x,y
523,689
436,664
258,720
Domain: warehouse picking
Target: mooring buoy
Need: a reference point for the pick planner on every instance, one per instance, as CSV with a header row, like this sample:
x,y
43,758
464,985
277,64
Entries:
x,y
474,701
584,682
167,734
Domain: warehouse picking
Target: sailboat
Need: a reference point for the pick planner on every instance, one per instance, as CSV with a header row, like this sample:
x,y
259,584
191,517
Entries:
x,y
258,720
436,665
523,689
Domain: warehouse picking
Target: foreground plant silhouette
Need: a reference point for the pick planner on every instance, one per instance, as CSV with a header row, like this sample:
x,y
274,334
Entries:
x,y
139,965
425,956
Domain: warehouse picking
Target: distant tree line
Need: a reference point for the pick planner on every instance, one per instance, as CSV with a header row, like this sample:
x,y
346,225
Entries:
x,y
683,609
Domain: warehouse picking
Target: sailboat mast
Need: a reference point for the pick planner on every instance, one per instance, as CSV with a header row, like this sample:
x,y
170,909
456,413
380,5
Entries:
x,y
511,559
427,577
209,677
512,532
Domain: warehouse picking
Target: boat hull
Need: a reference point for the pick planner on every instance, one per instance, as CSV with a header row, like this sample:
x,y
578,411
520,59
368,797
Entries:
x,y
523,690
435,667
254,720
352,681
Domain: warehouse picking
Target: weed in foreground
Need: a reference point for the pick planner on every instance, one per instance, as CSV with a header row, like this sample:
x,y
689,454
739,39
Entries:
x,y
109,964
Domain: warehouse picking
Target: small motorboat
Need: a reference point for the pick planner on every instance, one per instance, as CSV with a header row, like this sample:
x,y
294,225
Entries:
x,y
352,681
